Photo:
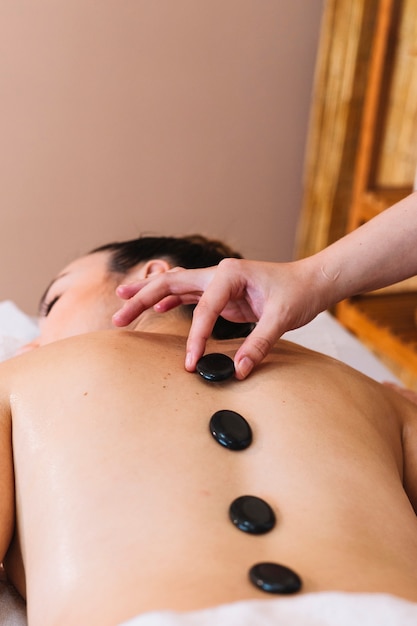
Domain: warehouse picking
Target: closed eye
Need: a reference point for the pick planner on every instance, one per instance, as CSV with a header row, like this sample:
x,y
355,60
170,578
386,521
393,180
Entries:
x,y
47,306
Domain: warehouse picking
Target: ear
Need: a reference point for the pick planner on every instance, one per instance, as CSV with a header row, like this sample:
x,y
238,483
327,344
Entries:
x,y
149,268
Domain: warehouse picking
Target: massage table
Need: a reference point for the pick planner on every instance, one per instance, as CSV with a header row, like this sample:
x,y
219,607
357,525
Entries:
x,y
324,334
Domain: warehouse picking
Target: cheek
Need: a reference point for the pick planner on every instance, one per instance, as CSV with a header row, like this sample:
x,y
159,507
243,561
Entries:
x,y
75,317
51,330
45,331
62,322
104,311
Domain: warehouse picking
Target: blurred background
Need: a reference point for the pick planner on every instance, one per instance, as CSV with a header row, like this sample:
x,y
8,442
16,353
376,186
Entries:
x,y
128,117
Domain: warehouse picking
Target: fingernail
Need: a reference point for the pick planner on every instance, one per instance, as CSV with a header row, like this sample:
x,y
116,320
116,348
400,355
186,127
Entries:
x,y
244,367
188,361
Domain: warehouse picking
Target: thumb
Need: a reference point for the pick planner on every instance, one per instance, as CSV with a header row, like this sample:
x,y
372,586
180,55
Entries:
x,y
256,346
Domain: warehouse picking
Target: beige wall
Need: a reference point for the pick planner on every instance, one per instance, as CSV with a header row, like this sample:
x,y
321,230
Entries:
x,y
120,117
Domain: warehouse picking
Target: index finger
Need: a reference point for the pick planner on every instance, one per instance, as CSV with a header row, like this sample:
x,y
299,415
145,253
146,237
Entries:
x,y
182,284
208,309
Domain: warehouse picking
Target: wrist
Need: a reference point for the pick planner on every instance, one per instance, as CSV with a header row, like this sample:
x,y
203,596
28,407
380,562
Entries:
x,y
327,280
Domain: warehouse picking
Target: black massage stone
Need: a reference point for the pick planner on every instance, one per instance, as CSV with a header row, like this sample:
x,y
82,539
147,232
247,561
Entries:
x,y
274,578
215,367
231,430
252,515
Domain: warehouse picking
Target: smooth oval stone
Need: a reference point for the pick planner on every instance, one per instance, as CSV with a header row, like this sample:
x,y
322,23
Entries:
x,y
252,515
230,430
274,578
215,367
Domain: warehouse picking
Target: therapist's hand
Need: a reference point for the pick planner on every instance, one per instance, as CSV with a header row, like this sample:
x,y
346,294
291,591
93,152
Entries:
x,y
279,296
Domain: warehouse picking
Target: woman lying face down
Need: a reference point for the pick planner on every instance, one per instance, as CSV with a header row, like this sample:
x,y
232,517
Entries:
x,y
82,297
114,492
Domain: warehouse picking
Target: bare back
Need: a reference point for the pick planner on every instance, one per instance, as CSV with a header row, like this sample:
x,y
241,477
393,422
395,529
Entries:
x,y
122,493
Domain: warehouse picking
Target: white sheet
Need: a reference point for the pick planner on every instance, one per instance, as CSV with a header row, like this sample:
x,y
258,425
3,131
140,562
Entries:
x,y
323,334
313,609
16,329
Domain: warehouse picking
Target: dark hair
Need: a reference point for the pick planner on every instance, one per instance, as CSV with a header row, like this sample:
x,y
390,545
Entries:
x,y
190,252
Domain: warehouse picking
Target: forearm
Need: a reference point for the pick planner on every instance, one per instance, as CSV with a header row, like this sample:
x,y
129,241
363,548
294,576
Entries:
x,y
381,252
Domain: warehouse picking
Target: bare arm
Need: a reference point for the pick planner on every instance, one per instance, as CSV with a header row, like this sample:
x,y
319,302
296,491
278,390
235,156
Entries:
x,y
381,252
283,296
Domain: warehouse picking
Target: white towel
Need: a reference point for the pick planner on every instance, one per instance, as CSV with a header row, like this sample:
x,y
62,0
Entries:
x,y
312,609
16,329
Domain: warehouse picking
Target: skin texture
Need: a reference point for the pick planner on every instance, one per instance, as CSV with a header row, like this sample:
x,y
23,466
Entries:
x,y
122,494
282,296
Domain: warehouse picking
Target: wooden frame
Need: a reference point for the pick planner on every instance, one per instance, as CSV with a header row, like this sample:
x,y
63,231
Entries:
x,y
362,153
355,115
